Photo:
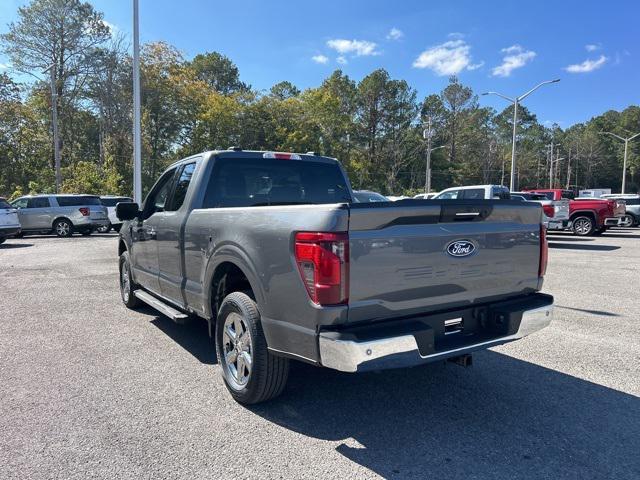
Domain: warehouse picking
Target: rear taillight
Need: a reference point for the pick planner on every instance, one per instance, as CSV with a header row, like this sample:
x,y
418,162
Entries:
x,y
544,251
323,261
549,211
84,211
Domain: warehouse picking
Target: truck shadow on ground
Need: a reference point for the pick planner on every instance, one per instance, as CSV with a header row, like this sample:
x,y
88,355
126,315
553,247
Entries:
x,y
502,418
579,246
193,336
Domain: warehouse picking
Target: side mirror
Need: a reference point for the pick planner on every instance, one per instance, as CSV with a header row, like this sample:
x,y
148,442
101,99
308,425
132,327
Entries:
x,y
127,210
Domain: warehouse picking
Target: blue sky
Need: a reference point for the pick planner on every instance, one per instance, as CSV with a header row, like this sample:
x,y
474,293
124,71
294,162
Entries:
x,y
507,46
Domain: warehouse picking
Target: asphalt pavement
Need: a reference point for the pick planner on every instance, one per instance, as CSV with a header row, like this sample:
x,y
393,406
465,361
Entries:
x,y
90,389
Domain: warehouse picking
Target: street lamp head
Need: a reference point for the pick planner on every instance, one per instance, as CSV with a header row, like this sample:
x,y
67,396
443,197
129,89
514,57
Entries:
x,y
555,81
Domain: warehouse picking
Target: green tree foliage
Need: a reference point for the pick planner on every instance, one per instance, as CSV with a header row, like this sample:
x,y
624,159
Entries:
x,y
373,126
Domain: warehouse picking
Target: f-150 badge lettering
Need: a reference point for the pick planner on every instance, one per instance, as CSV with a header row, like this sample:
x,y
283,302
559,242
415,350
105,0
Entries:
x,y
460,248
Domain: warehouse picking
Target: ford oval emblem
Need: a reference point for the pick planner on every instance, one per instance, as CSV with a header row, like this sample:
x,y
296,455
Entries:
x,y
460,248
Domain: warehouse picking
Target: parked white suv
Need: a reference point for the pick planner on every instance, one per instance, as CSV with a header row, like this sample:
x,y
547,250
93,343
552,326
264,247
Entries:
x,y
474,192
9,223
110,202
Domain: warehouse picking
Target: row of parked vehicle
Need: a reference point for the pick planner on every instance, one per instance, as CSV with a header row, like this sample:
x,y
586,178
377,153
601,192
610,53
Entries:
x,y
562,209
62,215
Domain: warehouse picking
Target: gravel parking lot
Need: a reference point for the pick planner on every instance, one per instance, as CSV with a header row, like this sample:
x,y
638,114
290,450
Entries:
x,y
91,389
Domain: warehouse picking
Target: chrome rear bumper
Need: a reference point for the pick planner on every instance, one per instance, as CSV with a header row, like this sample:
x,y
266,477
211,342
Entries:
x,y
403,351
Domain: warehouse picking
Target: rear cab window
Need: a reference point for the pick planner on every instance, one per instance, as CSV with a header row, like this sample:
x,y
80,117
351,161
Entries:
x,y
250,182
473,194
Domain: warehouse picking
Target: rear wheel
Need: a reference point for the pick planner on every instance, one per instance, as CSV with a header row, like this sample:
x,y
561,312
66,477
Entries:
x,y
104,228
583,226
63,228
251,373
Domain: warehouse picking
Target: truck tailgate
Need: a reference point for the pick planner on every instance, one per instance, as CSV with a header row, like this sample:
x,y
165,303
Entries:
x,y
403,260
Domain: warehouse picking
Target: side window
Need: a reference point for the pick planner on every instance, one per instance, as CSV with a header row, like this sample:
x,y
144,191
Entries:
x,y
155,201
182,186
20,203
38,202
473,194
452,195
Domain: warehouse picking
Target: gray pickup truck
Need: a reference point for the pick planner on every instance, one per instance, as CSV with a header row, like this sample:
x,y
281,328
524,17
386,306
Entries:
x,y
271,251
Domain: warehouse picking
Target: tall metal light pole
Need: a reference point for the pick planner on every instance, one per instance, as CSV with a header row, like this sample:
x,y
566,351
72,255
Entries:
x,y
427,134
626,150
137,139
54,121
515,102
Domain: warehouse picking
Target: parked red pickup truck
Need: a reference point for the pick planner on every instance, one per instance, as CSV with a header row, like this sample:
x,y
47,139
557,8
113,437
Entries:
x,y
588,216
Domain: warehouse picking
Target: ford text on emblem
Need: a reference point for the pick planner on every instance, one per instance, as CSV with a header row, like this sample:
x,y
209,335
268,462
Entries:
x,y
460,248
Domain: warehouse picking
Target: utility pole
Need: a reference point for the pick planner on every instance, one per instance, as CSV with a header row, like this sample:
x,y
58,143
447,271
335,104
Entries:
x,y
137,137
515,102
626,150
427,134
552,172
54,124
569,169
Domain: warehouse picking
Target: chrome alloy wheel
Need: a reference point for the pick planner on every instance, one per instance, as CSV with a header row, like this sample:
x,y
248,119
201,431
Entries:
x,y
125,282
582,226
237,354
62,229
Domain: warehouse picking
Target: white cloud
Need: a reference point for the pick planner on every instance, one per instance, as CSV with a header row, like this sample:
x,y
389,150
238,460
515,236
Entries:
x,y
587,66
448,58
515,57
5,66
395,34
342,60
591,47
475,66
112,27
322,59
359,48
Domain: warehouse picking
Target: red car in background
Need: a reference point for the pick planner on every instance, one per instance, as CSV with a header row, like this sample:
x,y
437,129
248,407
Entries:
x,y
588,216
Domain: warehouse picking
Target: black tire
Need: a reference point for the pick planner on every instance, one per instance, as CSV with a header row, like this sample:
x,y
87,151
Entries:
x,y
583,225
116,228
268,373
104,228
127,286
63,228
2,239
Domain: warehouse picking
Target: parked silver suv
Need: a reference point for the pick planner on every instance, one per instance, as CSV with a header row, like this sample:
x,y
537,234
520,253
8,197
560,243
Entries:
x,y
632,205
60,214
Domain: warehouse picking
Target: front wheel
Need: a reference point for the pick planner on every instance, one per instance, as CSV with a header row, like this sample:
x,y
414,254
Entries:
x,y
63,228
127,286
104,228
251,373
583,226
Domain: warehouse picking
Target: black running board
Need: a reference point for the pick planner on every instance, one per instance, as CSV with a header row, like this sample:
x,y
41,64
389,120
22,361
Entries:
x,y
175,315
